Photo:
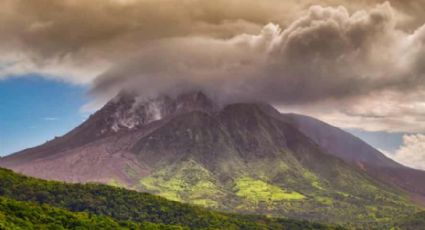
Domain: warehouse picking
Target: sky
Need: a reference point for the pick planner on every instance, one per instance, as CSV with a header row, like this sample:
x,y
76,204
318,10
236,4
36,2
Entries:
x,y
34,110
358,65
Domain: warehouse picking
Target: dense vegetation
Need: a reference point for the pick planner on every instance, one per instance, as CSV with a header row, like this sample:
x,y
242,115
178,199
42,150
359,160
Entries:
x,y
27,215
32,203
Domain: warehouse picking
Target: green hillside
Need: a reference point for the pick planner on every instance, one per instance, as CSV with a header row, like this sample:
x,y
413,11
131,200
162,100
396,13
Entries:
x,y
413,222
28,203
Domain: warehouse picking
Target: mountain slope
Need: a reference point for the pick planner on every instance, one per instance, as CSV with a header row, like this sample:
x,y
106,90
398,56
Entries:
x,y
356,152
413,222
241,157
269,172
32,203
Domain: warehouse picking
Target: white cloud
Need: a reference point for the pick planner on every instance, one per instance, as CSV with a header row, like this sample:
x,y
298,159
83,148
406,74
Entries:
x,y
412,152
50,118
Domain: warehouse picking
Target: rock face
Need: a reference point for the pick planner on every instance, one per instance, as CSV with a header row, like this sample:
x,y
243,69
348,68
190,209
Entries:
x,y
241,157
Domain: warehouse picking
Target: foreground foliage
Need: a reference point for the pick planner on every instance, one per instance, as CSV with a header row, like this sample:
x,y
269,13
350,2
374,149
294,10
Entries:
x,y
27,215
29,203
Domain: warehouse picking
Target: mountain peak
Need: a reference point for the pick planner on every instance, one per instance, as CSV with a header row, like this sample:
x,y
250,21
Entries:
x,y
196,101
129,111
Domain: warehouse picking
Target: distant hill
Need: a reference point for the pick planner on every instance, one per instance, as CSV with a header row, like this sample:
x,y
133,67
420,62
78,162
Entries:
x,y
245,157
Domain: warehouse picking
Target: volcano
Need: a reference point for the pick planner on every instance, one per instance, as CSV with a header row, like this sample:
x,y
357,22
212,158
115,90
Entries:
x,y
242,157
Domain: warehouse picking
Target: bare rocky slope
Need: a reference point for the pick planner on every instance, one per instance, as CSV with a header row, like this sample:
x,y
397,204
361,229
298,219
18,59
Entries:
x,y
244,157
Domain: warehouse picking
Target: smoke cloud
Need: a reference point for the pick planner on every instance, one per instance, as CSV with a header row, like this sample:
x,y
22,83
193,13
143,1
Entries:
x,y
326,54
328,58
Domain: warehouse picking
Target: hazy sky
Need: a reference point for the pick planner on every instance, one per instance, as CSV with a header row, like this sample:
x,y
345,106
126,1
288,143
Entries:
x,y
355,64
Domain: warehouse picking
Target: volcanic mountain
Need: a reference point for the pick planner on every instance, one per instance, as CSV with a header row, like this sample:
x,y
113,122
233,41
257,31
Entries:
x,y
243,157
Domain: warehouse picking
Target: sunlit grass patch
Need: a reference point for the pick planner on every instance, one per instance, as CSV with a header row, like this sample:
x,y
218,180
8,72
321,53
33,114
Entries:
x,y
260,191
